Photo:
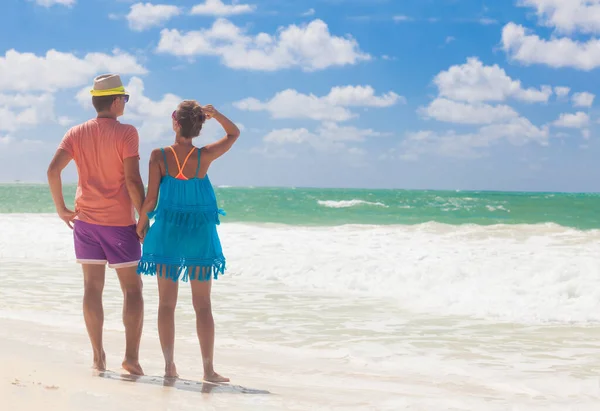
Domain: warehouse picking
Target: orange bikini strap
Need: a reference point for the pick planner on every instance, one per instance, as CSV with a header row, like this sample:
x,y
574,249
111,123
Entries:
x,y
180,167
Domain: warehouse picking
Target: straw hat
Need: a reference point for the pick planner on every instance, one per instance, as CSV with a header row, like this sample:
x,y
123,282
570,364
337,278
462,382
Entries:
x,y
108,85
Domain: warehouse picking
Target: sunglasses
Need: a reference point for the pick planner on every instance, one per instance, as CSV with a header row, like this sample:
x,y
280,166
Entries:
x,y
126,98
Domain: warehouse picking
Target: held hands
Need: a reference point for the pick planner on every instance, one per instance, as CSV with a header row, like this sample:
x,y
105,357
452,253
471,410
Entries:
x,y
141,230
209,111
67,216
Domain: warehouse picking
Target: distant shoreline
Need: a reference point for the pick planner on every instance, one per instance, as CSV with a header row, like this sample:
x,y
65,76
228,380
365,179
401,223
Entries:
x,y
268,187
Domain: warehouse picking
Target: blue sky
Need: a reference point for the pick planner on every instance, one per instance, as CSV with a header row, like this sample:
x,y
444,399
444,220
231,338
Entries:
x,y
437,94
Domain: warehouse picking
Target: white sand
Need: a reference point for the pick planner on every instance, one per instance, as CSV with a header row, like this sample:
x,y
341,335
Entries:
x,y
45,369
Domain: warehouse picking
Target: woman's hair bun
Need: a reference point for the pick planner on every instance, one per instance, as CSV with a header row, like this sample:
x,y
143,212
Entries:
x,y
190,117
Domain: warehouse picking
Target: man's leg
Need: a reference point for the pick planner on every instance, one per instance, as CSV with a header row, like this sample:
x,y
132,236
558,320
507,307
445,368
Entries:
x,y
90,255
123,251
133,317
93,312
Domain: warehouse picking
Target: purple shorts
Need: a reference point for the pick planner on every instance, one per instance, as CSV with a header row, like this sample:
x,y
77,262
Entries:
x,y
99,244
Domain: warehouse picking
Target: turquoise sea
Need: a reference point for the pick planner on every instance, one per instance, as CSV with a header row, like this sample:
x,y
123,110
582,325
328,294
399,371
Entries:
x,y
324,207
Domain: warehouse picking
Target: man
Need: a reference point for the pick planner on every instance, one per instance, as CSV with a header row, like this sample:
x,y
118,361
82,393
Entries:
x,y
109,188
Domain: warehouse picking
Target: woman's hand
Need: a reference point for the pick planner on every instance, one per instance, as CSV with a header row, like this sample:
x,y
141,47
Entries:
x,y
141,230
209,111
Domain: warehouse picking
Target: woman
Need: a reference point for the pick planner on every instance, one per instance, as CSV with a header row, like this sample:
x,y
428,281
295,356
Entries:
x,y
182,243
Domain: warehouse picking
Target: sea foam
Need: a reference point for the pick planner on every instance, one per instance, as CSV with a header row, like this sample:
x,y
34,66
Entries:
x,y
348,203
519,273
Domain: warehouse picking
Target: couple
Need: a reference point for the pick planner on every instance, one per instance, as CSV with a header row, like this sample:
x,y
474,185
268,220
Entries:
x,y
182,242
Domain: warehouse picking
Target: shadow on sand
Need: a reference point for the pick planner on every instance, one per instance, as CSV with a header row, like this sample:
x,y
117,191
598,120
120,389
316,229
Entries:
x,y
182,384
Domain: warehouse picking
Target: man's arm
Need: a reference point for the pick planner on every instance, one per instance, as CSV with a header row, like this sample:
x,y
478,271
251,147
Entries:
x,y
57,165
134,183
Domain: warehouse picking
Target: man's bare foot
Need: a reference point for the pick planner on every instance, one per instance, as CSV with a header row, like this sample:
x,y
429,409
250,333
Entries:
x,y
99,362
171,371
214,377
133,367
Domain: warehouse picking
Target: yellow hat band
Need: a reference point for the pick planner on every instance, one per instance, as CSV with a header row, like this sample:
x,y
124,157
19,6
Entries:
x,y
108,92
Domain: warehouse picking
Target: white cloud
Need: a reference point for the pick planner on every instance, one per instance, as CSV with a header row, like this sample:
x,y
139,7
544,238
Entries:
x,y
28,83
333,107
486,21
218,8
464,95
576,120
19,147
145,15
291,104
330,131
310,47
475,82
328,137
361,96
562,91
309,12
557,52
450,111
19,111
401,18
586,134
583,99
567,16
518,132
57,70
273,151
65,121
50,3
448,144
289,136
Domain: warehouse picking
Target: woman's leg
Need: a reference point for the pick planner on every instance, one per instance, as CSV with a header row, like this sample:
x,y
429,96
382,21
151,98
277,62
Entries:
x,y
205,327
167,294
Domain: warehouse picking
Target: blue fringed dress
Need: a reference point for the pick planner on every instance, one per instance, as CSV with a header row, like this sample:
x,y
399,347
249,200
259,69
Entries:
x,y
183,242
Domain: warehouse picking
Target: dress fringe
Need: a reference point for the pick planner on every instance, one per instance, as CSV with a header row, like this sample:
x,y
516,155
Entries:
x,y
183,271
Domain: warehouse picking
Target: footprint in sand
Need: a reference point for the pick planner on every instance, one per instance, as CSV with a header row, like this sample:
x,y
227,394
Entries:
x,y
18,383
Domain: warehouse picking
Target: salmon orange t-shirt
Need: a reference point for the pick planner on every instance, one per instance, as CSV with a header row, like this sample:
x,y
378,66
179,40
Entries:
x,y
99,148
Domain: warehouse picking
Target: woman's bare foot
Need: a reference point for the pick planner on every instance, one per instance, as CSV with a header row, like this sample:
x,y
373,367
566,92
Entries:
x,y
99,362
133,367
214,377
171,371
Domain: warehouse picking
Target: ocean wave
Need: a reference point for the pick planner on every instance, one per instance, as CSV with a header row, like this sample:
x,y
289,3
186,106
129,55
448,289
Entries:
x,y
528,273
348,203
497,208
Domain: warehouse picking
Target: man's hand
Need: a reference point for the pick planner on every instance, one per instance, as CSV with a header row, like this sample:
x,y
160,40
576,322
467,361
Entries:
x,y
67,216
141,230
57,165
